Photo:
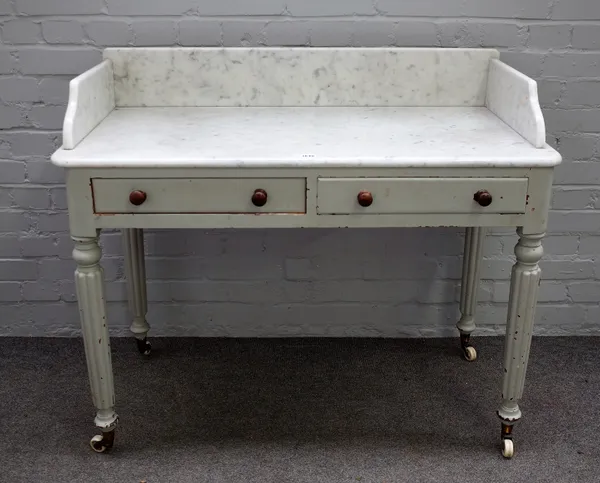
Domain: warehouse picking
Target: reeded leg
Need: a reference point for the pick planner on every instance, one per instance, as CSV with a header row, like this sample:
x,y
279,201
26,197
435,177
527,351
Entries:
x,y
524,285
474,237
135,271
89,282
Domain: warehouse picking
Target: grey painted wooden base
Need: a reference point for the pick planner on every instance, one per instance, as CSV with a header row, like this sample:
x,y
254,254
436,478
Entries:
x,y
135,272
89,282
525,281
469,288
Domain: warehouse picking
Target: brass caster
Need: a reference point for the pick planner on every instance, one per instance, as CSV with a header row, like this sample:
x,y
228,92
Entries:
x,y
508,448
144,346
469,353
103,442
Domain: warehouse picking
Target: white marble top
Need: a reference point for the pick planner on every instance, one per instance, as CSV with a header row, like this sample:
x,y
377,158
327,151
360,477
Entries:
x,y
304,137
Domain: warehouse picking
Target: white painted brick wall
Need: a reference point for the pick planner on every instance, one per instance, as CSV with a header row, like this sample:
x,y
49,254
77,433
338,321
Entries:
x,y
294,282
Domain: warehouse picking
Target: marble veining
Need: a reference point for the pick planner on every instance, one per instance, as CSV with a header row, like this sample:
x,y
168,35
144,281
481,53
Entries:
x,y
305,137
91,98
513,97
300,76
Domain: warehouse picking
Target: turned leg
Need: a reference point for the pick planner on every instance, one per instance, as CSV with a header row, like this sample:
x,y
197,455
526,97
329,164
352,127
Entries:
x,y
135,271
89,282
474,237
525,280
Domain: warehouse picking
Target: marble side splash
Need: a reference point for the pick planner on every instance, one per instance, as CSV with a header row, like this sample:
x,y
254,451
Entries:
x,y
289,77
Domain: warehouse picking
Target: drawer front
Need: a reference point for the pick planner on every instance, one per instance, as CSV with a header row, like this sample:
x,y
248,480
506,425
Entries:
x,y
420,195
199,195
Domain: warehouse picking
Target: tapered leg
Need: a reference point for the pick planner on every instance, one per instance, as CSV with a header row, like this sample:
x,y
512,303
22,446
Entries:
x,y
89,282
135,271
524,285
474,237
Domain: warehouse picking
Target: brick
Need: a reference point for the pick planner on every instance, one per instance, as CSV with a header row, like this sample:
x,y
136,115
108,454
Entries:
x,y
48,117
549,291
63,32
40,291
496,268
586,37
549,92
415,34
286,32
577,172
110,32
498,35
373,33
13,221
11,116
330,33
529,63
578,120
21,31
560,245
241,7
172,7
589,245
537,9
19,89
57,269
572,64
52,222
400,291
55,90
38,246
318,269
7,62
554,36
31,143
573,146
43,171
58,197
573,198
18,270
154,32
9,246
401,267
418,8
315,8
6,7
197,32
576,10
10,292
566,269
12,171
31,198
59,7
460,33
559,315
574,221
43,60
582,93
584,291
245,33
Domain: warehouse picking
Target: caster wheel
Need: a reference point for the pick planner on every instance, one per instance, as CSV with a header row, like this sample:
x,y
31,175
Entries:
x,y
508,449
470,353
144,347
102,442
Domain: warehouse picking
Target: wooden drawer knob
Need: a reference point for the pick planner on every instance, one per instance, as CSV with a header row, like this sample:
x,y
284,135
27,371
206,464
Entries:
x,y
483,197
365,198
137,197
259,198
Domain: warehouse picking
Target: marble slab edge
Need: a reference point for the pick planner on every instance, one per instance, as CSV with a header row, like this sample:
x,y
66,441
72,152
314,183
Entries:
x,y
91,99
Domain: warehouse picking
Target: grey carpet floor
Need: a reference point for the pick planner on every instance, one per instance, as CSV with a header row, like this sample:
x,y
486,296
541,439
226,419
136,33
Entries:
x,y
299,410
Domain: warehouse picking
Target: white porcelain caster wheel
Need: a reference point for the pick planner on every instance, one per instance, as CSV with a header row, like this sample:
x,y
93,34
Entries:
x,y
508,449
144,347
102,442
469,353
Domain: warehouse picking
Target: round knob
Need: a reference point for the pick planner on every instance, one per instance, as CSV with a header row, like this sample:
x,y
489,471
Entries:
x,y
137,197
259,198
365,198
483,197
